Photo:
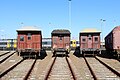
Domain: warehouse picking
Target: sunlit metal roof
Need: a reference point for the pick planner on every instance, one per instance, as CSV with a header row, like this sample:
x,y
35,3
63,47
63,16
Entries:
x,y
29,28
91,30
61,31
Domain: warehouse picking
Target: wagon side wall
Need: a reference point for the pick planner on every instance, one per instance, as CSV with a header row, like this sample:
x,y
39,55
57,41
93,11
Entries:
x,y
35,42
84,41
56,43
21,44
96,41
109,41
116,40
66,42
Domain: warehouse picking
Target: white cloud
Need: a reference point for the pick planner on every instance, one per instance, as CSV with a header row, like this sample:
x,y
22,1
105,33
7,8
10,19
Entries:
x,y
2,30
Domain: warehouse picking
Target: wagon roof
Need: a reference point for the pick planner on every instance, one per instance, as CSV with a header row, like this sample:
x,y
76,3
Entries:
x,y
28,28
117,28
90,31
60,31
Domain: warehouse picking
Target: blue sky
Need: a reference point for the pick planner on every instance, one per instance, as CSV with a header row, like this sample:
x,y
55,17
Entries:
x,y
54,14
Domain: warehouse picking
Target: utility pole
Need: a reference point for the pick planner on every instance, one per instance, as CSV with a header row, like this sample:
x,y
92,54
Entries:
x,y
69,13
102,22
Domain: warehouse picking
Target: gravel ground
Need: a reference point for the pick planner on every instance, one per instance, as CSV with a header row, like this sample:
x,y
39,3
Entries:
x,y
60,70
19,72
82,69
2,52
40,67
9,62
112,63
101,72
4,56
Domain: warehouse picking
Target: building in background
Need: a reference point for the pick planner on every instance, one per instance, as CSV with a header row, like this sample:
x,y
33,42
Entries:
x,y
46,43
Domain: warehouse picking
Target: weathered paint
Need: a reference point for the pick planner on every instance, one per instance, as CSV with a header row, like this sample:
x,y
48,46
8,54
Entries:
x,y
112,40
60,40
90,40
32,40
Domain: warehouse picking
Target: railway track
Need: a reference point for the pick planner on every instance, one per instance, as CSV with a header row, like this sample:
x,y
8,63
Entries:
x,y
5,57
9,62
4,53
19,71
60,69
112,64
99,70
10,68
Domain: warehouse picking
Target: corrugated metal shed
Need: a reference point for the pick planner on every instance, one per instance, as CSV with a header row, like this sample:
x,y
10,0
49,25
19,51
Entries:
x,y
60,31
28,28
91,30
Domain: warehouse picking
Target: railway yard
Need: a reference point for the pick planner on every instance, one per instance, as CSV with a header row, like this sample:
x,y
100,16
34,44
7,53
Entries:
x,y
49,67
45,42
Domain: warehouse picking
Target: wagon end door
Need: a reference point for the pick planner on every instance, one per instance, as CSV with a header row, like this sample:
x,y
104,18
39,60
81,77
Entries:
x,y
89,41
61,42
29,41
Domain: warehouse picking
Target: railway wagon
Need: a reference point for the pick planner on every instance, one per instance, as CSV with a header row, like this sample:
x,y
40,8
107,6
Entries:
x,y
60,41
89,42
74,44
112,41
29,41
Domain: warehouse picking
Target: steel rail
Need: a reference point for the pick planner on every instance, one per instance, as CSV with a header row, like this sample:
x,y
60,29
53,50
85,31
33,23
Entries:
x,y
12,67
72,72
4,53
29,72
49,70
92,72
110,68
6,57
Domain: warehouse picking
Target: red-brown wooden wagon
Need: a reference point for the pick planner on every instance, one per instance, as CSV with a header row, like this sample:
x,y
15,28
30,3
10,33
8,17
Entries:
x,y
60,40
29,41
89,42
112,42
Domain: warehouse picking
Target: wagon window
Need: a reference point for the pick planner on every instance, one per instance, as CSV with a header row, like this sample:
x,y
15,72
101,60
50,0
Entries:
x,y
21,38
83,39
96,38
60,38
89,38
29,36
